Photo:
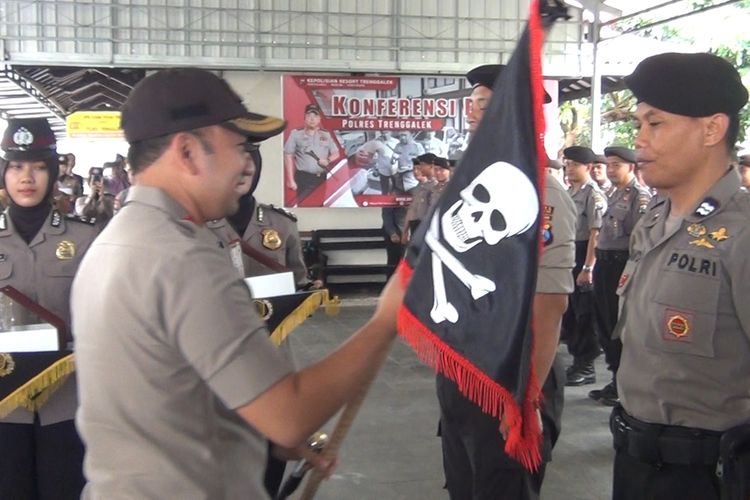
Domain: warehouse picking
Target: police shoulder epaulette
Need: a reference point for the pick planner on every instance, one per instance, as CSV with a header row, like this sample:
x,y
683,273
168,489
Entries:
x,y
282,211
3,221
79,218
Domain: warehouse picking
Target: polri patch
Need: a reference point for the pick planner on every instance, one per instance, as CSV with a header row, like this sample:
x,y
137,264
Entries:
x,y
678,326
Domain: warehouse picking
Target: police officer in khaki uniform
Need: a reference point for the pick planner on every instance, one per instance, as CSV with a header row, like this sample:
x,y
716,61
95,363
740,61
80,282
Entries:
x,y
41,454
626,203
308,152
684,381
744,166
421,196
578,322
474,459
599,174
269,230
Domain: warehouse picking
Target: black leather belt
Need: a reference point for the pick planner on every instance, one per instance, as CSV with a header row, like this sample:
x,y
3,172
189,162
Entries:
x,y
612,255
663,444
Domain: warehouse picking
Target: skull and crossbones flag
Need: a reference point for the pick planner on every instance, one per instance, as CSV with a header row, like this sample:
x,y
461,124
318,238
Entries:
x,y
471,267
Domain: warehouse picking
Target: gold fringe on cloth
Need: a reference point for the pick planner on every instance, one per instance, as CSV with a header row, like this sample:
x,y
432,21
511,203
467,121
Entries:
x,y
303,311
33,394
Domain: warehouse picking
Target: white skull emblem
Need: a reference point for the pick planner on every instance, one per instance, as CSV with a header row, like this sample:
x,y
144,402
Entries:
x,y
499,203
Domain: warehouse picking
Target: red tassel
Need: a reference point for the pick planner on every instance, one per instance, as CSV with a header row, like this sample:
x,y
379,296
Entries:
x,y
524,434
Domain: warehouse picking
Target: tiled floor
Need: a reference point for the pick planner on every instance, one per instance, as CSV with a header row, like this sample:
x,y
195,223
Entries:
x,y
392,452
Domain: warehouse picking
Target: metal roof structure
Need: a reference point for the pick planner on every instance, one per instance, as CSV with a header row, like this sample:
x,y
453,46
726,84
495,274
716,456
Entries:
x,y
63,56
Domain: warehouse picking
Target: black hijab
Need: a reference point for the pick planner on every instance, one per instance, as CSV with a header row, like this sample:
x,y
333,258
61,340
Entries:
x,y
241,219
30,140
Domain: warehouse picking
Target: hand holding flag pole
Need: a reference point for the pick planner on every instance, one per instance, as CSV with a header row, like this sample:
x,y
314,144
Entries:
x,y
486,348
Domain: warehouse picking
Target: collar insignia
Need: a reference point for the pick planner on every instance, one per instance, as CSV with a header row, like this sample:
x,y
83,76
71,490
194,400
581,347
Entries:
x,y
56,219
706,208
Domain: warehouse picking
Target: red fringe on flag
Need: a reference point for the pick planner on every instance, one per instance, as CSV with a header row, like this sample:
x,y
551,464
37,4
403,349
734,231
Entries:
x,y
524,438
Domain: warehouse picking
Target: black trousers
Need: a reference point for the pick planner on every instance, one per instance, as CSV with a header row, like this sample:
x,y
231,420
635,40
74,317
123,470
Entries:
x,y
307,183
609,267
636,480
578,320
41,462
386,184
475,464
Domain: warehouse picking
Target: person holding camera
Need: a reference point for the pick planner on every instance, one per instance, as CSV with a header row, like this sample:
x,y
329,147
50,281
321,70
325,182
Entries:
x,y
99,205
41,248
67,178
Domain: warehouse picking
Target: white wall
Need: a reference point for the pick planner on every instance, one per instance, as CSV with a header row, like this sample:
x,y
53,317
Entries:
x,y
261,92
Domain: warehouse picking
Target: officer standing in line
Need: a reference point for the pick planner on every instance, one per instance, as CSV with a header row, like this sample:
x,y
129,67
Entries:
x,y
599,174
307,154
744,166
474,459
625,205
41,455
578,322
421,196
683,430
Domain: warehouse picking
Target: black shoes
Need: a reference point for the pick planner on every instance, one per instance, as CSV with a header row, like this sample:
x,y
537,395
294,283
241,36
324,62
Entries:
x,y
581,374
607,395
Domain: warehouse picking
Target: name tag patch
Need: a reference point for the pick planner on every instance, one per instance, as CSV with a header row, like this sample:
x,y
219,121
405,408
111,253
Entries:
x,y
689,263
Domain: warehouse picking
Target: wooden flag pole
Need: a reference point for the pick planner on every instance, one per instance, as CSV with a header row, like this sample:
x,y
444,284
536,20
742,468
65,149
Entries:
x,y
339,433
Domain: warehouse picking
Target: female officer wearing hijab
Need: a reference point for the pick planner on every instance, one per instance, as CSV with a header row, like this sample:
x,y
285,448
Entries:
x,y
40,250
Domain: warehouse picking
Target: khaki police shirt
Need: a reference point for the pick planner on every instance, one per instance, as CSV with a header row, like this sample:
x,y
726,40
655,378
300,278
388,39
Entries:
x,y
273,232
43,270
590,206
309,148
624,208
558,235
685,318
168,345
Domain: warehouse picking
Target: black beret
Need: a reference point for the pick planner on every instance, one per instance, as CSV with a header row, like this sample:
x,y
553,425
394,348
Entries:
x,y
442,162
600,158
415,161
621,152
28,139
487,74
452,162
744,160
581,154
688,84
427,158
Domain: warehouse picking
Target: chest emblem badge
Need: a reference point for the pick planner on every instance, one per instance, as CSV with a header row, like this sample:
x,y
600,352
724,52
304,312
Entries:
x,y
7,364
719,235
699,232
678,326
271,239
66,250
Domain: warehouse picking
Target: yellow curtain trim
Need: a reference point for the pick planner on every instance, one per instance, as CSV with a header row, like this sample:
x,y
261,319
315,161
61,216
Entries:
x,y
304,311
34,393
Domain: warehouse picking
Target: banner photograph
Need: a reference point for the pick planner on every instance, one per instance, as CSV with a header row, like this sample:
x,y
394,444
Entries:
x,y
351,140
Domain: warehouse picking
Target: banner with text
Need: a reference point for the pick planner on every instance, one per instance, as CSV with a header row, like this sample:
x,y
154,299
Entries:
x,y
351,139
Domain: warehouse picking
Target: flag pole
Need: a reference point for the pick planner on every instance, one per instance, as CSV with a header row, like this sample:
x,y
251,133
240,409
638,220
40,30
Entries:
x,y
350,411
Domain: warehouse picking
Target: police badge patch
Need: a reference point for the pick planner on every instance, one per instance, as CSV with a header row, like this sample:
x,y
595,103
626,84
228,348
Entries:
x,y
271,239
